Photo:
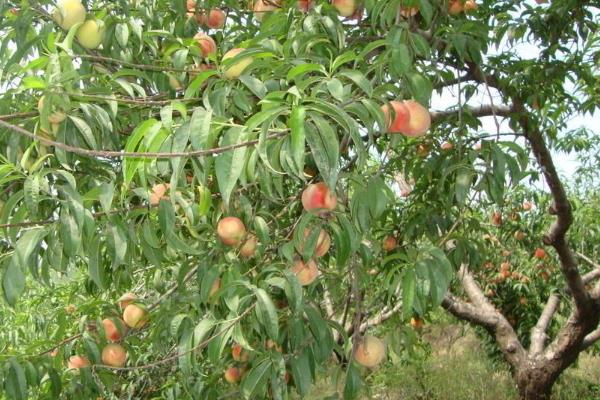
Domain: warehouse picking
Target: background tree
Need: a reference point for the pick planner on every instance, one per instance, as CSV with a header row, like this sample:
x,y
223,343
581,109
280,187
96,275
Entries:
x,y
209,199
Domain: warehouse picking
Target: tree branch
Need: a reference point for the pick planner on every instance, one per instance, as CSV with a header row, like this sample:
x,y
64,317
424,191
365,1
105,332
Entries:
x,y
121,154
481,111
590,339
538,333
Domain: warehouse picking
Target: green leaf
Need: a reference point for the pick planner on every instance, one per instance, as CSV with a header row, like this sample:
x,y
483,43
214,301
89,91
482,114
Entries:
x,y
359,79
200,128
409,283
336,89
256,86
302,69
230,164
13,283
256,379
325,148
95,267
15,383
298,137
301,372
266,313
353,382
426,10
122,34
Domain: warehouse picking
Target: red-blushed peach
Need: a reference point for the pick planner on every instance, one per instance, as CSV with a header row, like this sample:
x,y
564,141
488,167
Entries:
x,y
231,231
455,7
206,43
470,5
214,288
407,12
76,362
236,69
346,8
126,300
447,146
519,235
539,253
389,243
135,316
496,218
419,120
306,273
370,351
214,19
527,206
114,355
114,331
232,375
158,193
317,197
264,7
248,249
322,245
416,323
238,353
305,5
401,116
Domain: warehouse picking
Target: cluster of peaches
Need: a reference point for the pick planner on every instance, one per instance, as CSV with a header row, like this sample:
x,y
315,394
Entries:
x,y
134,316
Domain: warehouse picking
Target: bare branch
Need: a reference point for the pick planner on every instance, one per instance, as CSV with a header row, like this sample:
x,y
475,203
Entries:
x,y
538,333
385,314
121,154
590,339
481,111
592,275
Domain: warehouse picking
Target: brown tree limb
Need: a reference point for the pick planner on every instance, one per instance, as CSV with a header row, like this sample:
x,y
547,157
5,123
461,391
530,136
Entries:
x,y
481,111
538,333
590,339
121,154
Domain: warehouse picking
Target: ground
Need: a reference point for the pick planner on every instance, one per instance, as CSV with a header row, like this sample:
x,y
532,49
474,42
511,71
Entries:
x,y
454,366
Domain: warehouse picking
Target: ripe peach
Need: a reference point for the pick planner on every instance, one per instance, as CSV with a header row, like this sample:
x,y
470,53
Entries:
x,y
70,309
238,353
126,300
496,218
158,193
114,355
477,146
236,69
323,242
505,253
539,253
248,249
215,19
306,273
470,5
68,13
505,266
370,352
519,235
76,362
447,146
407,12
527,206
206,43
318,197
389,243
419,120
455,7
114,331
231,231
190,5
416,323
422,150
523,300
272,345
90,34
346,8
305,5
214,287
135,316
405,192
232,375
401,116
264,7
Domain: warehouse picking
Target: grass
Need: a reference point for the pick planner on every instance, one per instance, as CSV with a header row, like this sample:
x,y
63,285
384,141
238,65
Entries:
x,y
453,366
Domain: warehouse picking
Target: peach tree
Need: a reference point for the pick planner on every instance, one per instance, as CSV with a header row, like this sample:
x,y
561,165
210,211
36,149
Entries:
x,y
212,199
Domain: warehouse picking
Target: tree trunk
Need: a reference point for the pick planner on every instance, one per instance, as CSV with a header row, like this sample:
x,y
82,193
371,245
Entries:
x,y
536,383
